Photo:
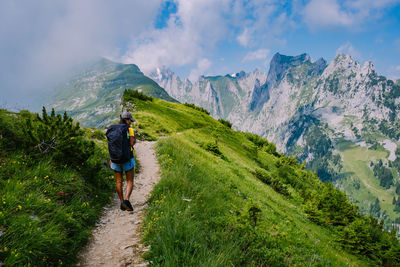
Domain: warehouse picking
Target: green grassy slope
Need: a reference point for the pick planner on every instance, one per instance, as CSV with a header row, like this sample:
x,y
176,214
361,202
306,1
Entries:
x,y
53,186
228,198
93,96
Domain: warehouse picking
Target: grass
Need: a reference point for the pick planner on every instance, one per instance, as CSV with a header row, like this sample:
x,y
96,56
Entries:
x,y
216,227
46,213
211,210
356,161
47,210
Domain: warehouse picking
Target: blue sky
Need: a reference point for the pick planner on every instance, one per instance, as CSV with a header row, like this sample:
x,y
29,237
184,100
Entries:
x,y
41,40
246,34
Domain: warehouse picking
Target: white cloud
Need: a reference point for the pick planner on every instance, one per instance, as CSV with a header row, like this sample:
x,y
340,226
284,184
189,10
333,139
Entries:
x,y
350,14
260,54
370,4
197,26
262,22
244,37
322,13
349,49
202,65
40,40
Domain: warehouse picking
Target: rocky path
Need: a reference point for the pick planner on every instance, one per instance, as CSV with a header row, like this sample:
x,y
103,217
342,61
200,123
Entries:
x,y
116,240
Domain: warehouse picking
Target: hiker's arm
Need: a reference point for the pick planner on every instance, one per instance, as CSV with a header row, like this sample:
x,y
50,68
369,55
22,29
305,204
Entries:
x,y
132,140
132,137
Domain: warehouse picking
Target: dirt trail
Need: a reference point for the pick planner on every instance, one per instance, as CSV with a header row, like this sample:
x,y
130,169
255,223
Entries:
x,y
116,240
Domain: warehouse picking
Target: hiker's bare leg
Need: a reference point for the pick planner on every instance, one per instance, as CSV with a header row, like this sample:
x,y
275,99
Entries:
x,y
118,185
129,183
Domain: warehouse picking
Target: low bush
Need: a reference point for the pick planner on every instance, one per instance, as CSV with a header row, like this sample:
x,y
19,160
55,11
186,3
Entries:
x,y
226,123
132,94
193,106
213,148
276,184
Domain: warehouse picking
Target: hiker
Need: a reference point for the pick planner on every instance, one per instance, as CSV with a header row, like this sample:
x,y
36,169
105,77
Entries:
x,y
121,138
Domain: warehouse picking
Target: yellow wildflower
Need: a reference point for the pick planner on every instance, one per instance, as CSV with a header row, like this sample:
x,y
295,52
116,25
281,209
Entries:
x,y
19,207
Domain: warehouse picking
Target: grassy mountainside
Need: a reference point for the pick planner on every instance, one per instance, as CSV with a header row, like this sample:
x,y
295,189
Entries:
x,y
228,198
93,96
53,186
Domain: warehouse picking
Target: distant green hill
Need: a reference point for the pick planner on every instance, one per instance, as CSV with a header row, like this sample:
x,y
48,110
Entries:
x,y
227,198
93,95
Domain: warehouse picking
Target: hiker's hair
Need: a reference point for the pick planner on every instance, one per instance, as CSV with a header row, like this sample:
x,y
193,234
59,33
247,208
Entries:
x,y
121,120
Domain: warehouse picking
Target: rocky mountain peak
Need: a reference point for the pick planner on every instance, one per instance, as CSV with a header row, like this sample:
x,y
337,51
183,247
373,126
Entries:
x,y
345,61
280,64
343,65
239,75
368,68
161,73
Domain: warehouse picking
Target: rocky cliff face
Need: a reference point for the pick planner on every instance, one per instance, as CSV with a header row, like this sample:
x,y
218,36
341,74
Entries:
x,y
236,90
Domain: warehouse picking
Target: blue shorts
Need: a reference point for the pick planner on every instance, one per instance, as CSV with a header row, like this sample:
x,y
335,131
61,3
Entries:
x,y
130,164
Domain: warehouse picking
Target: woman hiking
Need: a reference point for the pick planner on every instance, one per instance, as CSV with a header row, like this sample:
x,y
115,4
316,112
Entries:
x,y
121,139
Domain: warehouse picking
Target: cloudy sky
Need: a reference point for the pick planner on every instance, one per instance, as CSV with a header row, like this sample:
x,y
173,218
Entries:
x,y
41,40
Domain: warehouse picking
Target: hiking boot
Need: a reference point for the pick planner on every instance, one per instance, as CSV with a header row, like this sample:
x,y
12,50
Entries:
x,y
128,205
124,206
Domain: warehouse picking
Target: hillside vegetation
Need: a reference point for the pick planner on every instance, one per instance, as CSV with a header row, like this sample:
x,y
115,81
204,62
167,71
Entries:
x,y
229,198
93,95
225,197
53,185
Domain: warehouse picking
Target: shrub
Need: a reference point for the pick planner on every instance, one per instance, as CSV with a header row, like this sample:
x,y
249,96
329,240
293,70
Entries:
x,y
57,136
262,143
131,94
226,123
256,139
276,184
193,106
213,148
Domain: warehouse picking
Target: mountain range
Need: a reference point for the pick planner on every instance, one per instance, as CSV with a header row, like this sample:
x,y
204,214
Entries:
x,y
341,119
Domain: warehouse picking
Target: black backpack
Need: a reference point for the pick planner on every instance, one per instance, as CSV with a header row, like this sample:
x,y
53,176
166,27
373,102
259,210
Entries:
x,y
118,143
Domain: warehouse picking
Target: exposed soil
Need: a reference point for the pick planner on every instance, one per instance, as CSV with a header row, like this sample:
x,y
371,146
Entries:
x,y
116,241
